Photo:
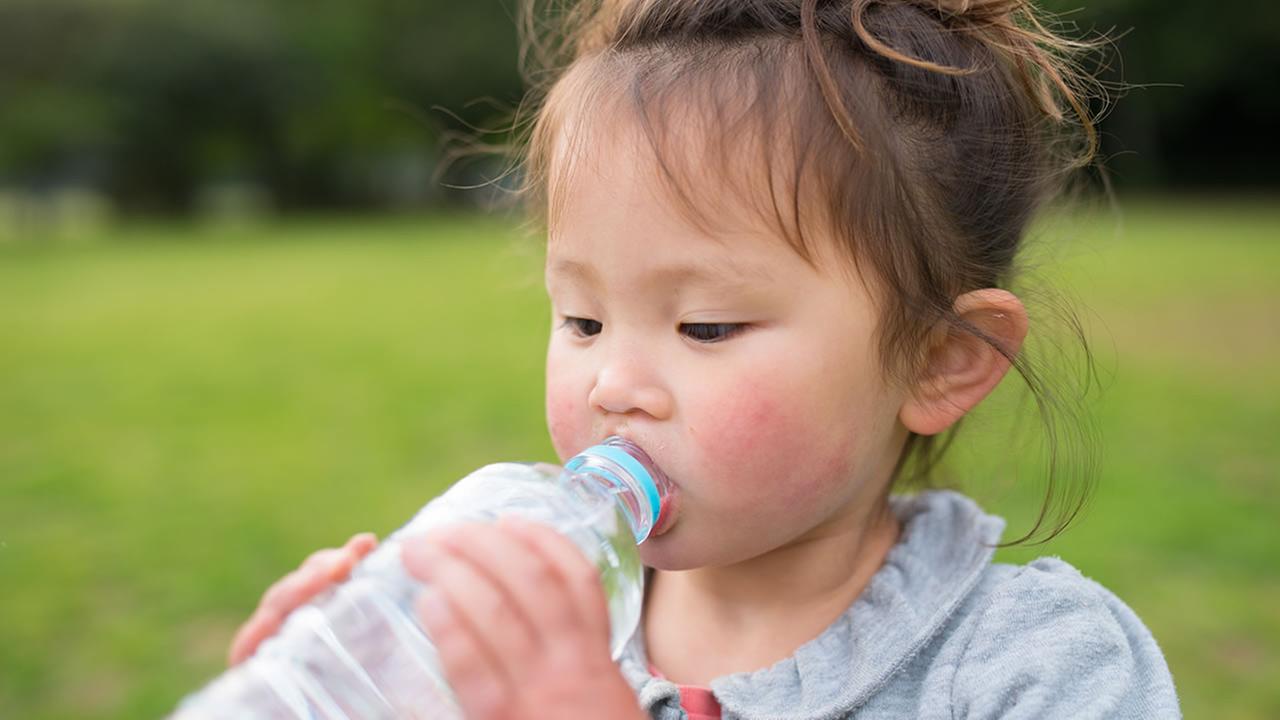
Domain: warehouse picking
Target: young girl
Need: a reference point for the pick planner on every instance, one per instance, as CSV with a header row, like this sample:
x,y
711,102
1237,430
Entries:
x,y
779,234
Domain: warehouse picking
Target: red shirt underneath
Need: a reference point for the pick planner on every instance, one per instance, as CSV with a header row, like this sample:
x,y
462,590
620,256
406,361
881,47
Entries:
x,y
696,700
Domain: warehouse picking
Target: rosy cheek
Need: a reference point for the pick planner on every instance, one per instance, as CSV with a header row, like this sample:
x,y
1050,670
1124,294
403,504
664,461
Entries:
x,y
565,424
776,445
755,431
738,426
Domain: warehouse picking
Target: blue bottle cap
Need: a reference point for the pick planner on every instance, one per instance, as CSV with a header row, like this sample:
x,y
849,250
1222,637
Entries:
x,y
630,465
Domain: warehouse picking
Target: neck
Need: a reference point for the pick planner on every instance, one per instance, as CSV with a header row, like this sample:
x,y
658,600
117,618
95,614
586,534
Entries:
x,y
760,610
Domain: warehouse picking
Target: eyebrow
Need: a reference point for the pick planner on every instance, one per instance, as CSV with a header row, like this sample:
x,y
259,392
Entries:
x,y
729,275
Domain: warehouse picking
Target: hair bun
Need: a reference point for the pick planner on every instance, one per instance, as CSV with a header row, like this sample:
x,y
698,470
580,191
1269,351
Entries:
x,y
1046,64
973,10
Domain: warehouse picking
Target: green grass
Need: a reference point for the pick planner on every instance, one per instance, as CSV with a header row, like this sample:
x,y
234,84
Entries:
x,y
186,412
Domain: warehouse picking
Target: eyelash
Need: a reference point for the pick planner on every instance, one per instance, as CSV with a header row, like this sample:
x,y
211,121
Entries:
x,y
722,331
576,325
585,327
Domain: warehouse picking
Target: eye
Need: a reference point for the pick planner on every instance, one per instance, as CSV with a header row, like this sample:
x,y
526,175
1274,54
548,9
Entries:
x,y
583,327
711,332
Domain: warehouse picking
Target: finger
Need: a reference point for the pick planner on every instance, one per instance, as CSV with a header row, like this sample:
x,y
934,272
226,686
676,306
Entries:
x,y
320,569
489,577
470,669
361,544
256,629
280,599
310,578
533,580
587,607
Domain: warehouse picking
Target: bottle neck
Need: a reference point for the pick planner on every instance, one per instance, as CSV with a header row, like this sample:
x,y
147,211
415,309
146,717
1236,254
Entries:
x,y
630,477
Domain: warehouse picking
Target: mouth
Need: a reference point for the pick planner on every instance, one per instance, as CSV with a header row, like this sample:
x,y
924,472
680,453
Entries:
x,y
668,490
669,505
670,510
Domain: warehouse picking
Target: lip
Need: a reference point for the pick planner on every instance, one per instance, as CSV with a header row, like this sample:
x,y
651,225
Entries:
x,y
670,509
668,513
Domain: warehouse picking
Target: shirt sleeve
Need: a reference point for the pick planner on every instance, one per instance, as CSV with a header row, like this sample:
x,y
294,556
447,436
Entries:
x,y
1054,644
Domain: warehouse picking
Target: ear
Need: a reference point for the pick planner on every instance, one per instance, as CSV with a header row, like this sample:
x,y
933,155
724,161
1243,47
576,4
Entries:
x,y
962,369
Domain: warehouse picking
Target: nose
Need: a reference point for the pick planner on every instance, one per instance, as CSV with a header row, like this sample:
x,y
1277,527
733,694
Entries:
x,y
625,385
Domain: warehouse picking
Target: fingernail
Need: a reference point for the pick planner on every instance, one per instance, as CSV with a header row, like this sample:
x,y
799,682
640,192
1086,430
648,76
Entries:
x,y
335,564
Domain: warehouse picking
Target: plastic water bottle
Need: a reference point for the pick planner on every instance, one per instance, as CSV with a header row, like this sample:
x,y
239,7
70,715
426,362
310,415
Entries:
x,y
357,651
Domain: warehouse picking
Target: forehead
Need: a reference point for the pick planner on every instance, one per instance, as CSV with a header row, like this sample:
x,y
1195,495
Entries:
x,y
615,171
706,155
720,271
618,206
724,152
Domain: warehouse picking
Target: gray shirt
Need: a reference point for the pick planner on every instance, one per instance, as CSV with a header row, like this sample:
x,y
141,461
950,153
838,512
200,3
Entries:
x,y
942,632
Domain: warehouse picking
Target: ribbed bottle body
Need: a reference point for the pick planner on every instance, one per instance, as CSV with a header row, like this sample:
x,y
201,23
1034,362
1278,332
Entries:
x,y
357,650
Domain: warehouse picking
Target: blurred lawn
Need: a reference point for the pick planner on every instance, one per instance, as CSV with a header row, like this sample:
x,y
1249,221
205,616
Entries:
x,y
186,412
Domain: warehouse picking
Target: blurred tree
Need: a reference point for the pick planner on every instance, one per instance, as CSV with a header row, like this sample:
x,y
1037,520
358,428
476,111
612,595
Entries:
x,y
314,101
330,102
1205,99
50,113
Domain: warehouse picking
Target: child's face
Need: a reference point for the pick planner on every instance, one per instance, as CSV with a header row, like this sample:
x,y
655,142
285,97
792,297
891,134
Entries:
x,y
750,377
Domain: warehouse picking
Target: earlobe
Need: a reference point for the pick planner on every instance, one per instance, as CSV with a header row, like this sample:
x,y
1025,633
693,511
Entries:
x,y
961,368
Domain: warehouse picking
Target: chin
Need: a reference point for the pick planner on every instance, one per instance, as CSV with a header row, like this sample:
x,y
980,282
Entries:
x,y
675,551
664,552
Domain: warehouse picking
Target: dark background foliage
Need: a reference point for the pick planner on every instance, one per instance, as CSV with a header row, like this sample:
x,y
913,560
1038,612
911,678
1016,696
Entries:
x,y
344,104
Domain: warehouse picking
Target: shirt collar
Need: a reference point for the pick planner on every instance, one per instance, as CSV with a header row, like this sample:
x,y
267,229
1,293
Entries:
x,y
946,543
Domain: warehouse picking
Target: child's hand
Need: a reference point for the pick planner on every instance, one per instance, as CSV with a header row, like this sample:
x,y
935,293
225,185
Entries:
x,y
520,621
320,570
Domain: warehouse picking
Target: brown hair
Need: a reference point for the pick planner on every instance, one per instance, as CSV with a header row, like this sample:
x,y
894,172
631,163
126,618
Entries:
x,y
925,135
